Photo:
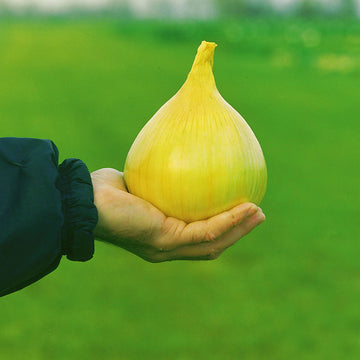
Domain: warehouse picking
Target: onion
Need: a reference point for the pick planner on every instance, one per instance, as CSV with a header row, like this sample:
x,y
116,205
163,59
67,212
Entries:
x,y
197,156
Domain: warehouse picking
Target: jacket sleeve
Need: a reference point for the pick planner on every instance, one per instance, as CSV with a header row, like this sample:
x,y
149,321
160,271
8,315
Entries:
x,y
46,211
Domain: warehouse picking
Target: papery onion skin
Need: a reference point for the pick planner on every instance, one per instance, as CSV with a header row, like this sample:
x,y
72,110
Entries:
x,y
196,157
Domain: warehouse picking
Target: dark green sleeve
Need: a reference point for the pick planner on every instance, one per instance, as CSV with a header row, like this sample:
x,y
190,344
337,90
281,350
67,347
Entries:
x,y
46,211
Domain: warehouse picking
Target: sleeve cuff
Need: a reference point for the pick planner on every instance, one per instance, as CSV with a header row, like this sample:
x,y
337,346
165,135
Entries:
x,y
80,214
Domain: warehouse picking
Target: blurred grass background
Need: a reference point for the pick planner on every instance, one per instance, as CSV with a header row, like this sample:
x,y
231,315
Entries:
x,y
291,288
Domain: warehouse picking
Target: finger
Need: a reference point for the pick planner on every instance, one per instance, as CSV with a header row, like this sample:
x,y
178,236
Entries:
x,y
119,182
235,234
110,177
211,229
210,251
213,251
115,178
222,223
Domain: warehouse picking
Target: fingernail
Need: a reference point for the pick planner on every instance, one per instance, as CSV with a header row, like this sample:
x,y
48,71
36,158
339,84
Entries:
x,y
251,211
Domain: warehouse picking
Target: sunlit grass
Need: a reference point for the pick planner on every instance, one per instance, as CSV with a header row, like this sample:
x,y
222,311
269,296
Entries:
x,y
289,290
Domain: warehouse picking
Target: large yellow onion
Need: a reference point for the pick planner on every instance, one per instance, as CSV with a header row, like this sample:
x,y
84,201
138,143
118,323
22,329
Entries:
x,y
197,156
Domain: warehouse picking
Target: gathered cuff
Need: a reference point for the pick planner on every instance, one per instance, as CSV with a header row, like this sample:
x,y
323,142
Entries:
x,y
80,213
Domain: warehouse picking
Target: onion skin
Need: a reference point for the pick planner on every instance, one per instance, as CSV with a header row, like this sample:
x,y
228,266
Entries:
x,y
196,157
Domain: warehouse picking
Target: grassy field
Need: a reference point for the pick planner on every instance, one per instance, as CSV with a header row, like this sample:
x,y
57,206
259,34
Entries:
x,y
290,289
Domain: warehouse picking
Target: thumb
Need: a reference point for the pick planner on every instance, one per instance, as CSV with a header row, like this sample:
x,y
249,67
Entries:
x,y
109,177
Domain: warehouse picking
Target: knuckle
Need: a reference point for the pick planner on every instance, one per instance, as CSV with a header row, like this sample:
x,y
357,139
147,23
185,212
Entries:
x,y
207,234
210,236
230,218
233,219
213,254
195,237
153,256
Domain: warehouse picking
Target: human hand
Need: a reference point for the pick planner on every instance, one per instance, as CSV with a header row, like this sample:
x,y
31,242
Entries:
x,y
139,227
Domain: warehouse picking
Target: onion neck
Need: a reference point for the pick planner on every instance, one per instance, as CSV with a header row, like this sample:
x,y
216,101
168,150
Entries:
x,y
201,77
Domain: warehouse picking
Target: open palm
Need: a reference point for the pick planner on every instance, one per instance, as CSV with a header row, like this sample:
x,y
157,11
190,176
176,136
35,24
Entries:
x,y
139,227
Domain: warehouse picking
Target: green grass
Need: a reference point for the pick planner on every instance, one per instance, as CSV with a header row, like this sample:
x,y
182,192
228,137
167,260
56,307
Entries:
x,y
291,288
